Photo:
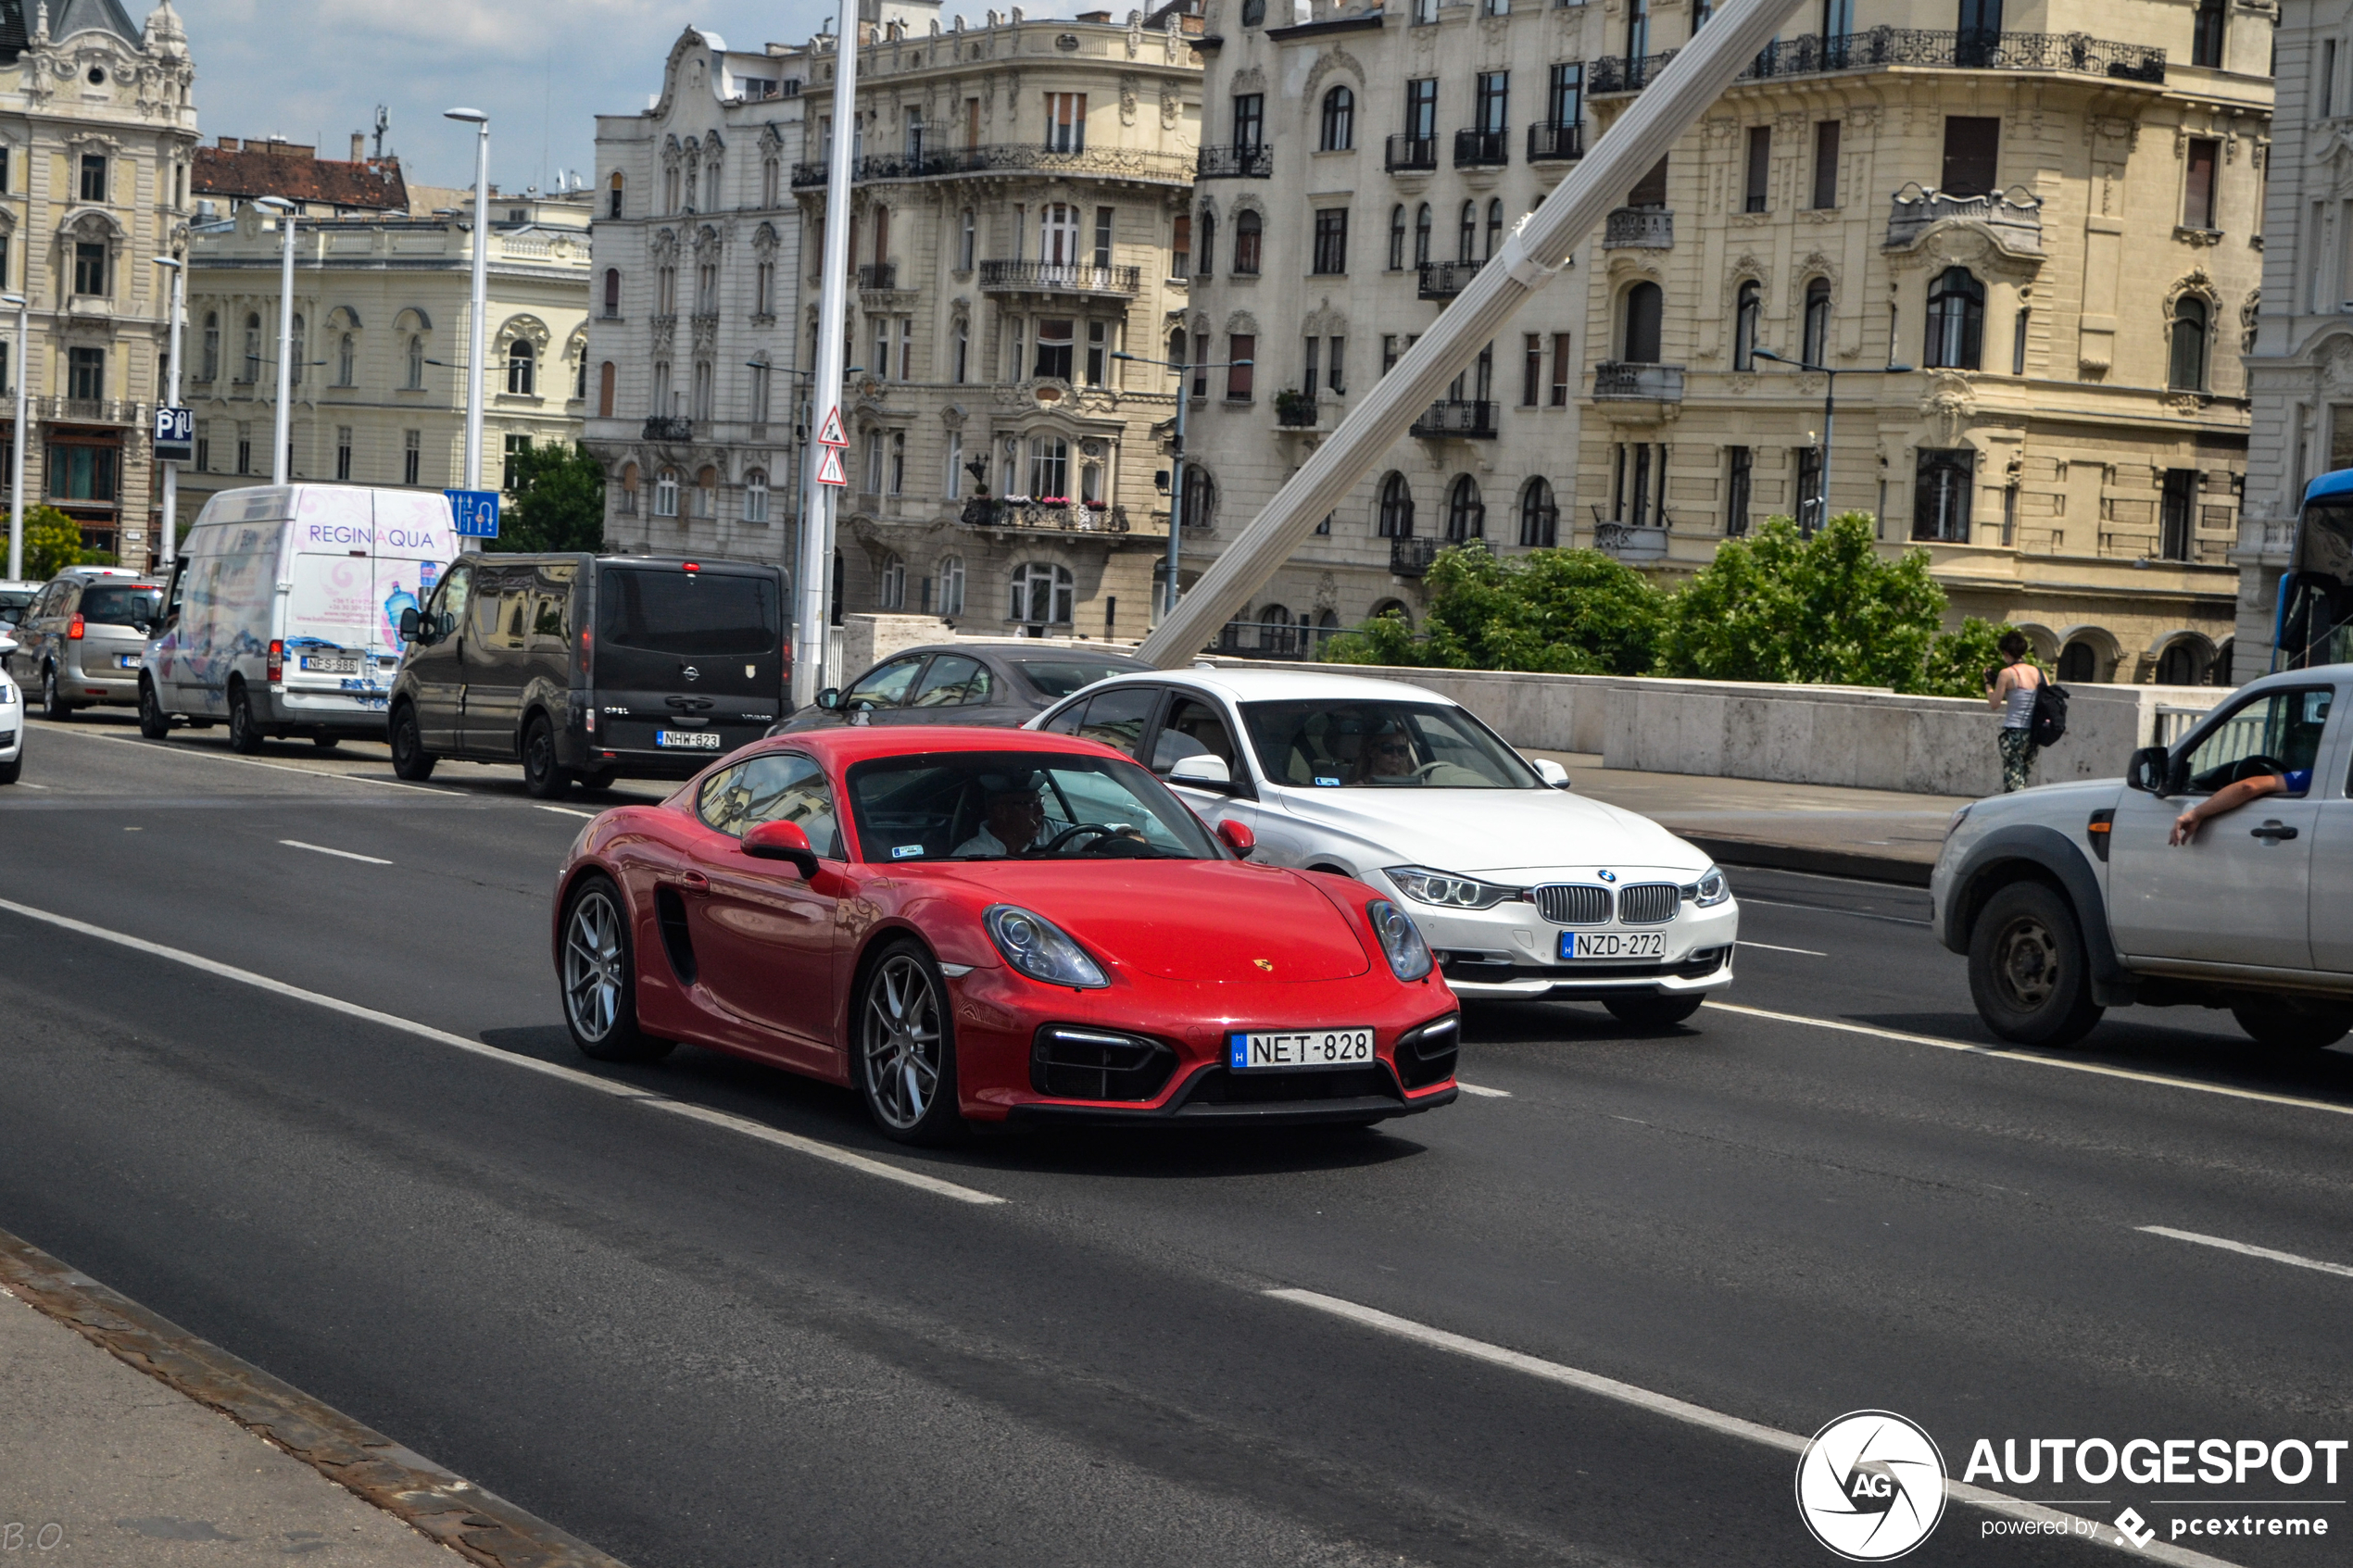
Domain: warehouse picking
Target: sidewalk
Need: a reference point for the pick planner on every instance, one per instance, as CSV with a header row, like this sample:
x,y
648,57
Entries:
x,y
1878,835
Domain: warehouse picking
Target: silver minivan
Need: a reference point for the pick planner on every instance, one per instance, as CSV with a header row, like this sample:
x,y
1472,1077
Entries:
x,y
79,642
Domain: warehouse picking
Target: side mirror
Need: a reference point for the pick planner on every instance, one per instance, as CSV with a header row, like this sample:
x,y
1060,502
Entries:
x,y
830,699
1235,835
2146,769
1552,772
1206,768
412,625
782,840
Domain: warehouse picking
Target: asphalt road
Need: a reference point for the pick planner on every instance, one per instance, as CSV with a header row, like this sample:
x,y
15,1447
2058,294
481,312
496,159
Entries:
x,y
692,1346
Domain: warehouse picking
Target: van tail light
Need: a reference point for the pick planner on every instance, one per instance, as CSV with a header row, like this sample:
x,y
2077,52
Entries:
x,y
277,659
592,720
73,630
587,648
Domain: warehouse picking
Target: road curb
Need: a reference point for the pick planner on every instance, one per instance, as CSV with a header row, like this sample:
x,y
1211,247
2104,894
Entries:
x,y
1800,857
481,1526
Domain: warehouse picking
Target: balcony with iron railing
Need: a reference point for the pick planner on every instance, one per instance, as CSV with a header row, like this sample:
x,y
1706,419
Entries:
x,y
1411,154
1482,149
1620,381
667,427
1412,558
1444,280
1234,163
1121,163
2014,217
2074,54
87,410
879,276
1548,142
1051,277
1639,228
1630,541
1460,419
1044,517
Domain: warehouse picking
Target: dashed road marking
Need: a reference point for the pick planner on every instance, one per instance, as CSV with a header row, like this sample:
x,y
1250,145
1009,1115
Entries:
x,y
1777,947
1482,1091
568,810
339,854
2228,1246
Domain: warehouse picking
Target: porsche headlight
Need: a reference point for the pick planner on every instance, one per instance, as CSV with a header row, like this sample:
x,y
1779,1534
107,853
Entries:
x,y
1445,889
1710,890
1039,948
1399,939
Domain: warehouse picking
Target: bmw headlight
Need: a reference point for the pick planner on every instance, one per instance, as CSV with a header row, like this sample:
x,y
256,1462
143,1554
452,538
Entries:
x,y
1039,948
1445,889
1710,890
1399,939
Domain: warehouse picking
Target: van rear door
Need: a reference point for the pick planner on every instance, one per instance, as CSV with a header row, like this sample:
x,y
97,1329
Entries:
x,y
330,610
694,656
416,540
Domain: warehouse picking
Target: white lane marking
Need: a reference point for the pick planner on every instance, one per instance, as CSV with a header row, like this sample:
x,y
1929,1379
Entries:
x,y
251,761
1714,1421
567,811
1777,947
2228,1246
44,788
1482,1091
1826,909
340,854
2095,1068
647,1098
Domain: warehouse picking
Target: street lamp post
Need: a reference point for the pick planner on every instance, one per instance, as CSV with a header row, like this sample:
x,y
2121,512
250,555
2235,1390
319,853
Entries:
x,y
1176,462
171,548
1830,411
812,612
16,447
481,122
282,443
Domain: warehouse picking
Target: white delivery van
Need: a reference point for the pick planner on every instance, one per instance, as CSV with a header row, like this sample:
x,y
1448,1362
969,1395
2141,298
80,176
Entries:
x,y
283,613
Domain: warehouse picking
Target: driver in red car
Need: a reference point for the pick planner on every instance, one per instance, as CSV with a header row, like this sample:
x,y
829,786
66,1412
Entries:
x,y
1013,815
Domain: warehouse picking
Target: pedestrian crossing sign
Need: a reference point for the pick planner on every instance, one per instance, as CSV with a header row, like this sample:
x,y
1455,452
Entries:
x,y
829,434
829,469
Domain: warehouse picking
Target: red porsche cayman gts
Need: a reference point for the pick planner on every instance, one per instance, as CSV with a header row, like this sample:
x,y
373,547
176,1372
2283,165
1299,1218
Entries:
x,y
981,926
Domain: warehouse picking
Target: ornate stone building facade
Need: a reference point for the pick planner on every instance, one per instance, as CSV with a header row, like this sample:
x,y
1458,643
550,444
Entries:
x,y
694,394
96,129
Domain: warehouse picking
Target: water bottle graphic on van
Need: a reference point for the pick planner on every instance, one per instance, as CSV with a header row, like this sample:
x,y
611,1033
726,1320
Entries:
x,y
400,598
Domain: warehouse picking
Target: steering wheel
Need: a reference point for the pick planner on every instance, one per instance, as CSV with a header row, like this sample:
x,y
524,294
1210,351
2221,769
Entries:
x,y
2254,768
1054,847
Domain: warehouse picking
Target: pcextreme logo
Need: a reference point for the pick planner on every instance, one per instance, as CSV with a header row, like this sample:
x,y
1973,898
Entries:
x,y
1871,1486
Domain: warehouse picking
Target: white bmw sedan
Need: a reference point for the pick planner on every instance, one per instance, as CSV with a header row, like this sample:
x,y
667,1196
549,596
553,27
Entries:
x,y
1522,888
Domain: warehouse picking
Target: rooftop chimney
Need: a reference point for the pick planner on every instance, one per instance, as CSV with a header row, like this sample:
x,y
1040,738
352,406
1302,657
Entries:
x,y
359,147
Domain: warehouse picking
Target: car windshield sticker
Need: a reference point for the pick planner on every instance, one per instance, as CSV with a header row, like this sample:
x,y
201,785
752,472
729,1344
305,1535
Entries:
x,y
902,852
1327,784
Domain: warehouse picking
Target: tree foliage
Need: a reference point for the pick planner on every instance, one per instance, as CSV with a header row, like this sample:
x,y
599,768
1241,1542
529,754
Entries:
x,y
52,543
1575,612
557,501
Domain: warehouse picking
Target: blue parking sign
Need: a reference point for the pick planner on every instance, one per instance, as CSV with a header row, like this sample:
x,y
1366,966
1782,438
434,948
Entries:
x,y
175,435
476,511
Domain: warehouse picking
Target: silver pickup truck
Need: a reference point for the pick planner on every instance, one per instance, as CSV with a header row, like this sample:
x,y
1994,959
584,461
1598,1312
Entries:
x,y
2068,898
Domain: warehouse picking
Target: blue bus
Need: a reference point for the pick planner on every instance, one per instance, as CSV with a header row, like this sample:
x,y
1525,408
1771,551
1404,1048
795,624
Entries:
x,y
2312,622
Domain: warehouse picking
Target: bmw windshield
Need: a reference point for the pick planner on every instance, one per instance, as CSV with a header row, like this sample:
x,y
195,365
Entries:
x,y
1381,744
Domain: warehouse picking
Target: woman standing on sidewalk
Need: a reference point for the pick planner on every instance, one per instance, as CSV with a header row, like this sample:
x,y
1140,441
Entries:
x,y
2011,689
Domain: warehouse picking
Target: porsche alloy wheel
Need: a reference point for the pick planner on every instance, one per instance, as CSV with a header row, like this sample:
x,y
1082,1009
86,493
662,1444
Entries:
x,y
907,1063
601,987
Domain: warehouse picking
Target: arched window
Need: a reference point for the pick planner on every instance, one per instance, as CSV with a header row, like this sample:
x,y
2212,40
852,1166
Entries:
x,y
1397,237
756,495
1207,250
211,346
1745,315
347,359
2188,359
605,378
2078,663
1466,513
613,294
1640,328
951,584
298,351
252,370
522,365
666,493
1277,631
1815,342
1395,518
1042,595
1340,120
1421,235
891,584
1177,350
416,361
1200,500
628,505
1540,515
1393,609
1467,234
1494,227
1248,233
1955,319
612,195
2182,664
579,377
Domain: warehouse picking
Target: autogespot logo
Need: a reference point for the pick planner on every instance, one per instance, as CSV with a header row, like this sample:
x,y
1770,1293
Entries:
x,y
1871,1486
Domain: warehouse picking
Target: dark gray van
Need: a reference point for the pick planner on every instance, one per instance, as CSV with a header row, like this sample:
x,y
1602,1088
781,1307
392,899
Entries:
x,y
589,667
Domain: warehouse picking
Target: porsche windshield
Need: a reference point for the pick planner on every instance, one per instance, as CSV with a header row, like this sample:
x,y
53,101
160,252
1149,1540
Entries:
x,y
1018,805
1380,744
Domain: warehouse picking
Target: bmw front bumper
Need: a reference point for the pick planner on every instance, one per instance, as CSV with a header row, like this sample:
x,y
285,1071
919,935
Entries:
x,y
1510,949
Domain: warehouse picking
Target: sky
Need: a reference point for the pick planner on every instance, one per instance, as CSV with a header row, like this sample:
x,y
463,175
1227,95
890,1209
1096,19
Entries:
x,y
314,71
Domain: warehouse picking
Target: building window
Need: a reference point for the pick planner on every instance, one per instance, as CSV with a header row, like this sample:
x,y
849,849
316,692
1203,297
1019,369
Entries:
x,y
1180,248
1340,120
2186,364
967,237
1825,133
666,493
1746,312
1049,468
612,195
1207,250
1103,218
1737,490
701,409
1565,96
1043,595
1065,122
1540,515
347,359
1098,352
211,361
613,294
522,367
1564,369
873,484
1200,501
707,493
1200,364
758,385
1956,321
1756,188
890,584
1467,234
89,267
204,446
82,473
416,362
2197,184
513,448
1248,231
1941,495
1395,518
1971,148
1466,513
1809,488
1338,380
1331,240
1053,349
2208,32
85,374
413,443
960,351
1492,102
898,477
343,453
2017,341
1313,367
300,351
952,478
1397,238
94,177
1817,337
951,584
756,495
1638,331
1494,226
607,375
6,183
1249,121
906,349
1240,351
1532,369
1421,235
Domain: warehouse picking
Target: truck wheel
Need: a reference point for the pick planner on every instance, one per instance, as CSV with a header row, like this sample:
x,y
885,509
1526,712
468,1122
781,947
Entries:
x,y
154,722
543,777
410,760
601,779
1652,1012
244,730
2028,971
2289,1026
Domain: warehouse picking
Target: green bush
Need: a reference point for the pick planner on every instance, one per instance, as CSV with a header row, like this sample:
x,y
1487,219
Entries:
x,y
1574,612
52,543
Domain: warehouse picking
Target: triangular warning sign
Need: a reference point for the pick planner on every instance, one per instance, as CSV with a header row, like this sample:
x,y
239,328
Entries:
x,y
829,434
829,470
